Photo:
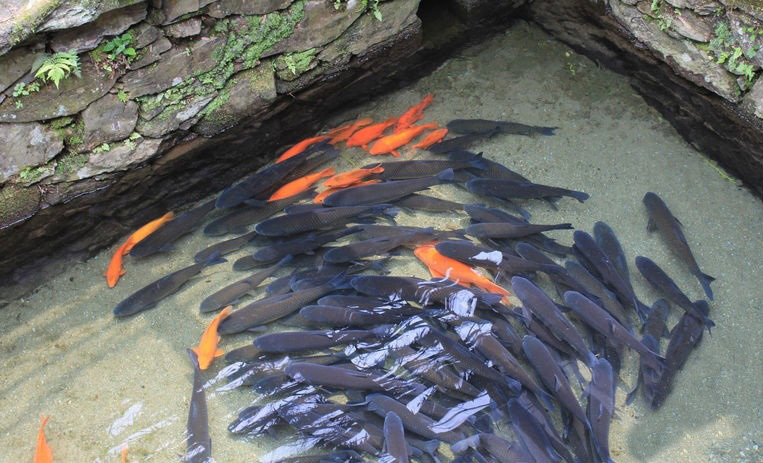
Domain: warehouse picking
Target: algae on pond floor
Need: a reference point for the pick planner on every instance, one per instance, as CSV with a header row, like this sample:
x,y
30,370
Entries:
x,y
107,381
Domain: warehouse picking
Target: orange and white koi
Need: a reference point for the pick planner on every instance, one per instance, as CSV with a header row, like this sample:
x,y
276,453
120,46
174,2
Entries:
x,y
299,185
351,177
207,349
391,143
414,114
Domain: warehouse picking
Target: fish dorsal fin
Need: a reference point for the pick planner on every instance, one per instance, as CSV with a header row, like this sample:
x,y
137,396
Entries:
x,y
651,225
122,272
219,352
195,350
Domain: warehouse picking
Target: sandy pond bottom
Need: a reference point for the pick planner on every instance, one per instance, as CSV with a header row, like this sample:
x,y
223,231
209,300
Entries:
x,y
107,381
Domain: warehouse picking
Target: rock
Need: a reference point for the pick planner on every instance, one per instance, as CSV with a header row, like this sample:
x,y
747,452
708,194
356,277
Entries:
x,y
144,35
108,119
474,11
684,57
176,8
740,24
753,101
223,8
120,157
185,28
87,37
17,203
320,25
151,53
367,31
174,67
690,26
26,145
290,66
15,65
245,95
701,7
73,95
171,118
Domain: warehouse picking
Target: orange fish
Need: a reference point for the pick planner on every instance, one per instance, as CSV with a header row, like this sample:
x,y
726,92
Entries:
x,y
115,269
301,184
207,349
124,453
368,134
320,196
146,230
441,267
351,177
346,131
391,143
43,454
431,138
414,114
301,146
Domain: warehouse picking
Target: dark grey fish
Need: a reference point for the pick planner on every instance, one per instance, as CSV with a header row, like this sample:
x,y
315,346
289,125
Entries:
x,y
263,179
480,213
352,301
378,231
269,309
345,378
493,169
328,217
238,220
301,341
256,420
655,325
417,423
500,449
198,443
378,246
596,288
511,128
272,384
430,365
660,281
531,404
604,323
386,191
505,332
234,291
247,353
531,434
660,218
297,208
148,296
161,240
510,189
426,203
601,407
460,143
608,242
343,456
589,253
508,230
552,376
395,444
534,299
345,316
301,245
468,253
417,290
403,170
226,247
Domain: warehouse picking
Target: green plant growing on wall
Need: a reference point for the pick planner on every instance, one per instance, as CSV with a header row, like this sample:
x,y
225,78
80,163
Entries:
x,y
56,67
729,52
372,5
23,89
120,46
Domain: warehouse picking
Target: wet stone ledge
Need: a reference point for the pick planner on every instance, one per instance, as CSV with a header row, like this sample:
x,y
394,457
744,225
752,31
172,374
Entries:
x,y
207,92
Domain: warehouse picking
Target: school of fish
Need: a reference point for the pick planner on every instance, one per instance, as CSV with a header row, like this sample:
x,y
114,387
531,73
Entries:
x,y
396,368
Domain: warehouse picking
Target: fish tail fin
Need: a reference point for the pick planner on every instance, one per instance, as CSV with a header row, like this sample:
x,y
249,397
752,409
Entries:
x,y
391,212
548,131
446,176
341,281
705,280
563,226
192,354
219,353
580,195
704,308
477,162
214,259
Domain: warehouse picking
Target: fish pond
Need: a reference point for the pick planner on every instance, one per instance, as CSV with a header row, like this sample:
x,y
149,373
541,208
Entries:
x,y
108,381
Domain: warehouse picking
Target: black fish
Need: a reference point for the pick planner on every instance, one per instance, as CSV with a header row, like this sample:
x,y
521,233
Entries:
x,y
344,316
395,444
226,247
431,365
417,423
531,434
460,143
233,291
417,290
649,372
607,241
378,246
402,170
386,191
531,404
352,301
508,230
660,281
596,288
493,169
601,407
426,203
512,128
378,231
534,299
510,189
468,253
238,220
198,443
300,341
162,239
329,217
344,378
149,296
269,309
499,449
301,245
662,219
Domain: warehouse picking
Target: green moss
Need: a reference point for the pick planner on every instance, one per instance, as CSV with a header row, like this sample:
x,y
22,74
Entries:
x,y
31,174
61,122
291,65
69,162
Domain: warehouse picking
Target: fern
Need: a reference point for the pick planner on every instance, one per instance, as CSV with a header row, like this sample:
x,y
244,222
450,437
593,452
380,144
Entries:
x,y
56,67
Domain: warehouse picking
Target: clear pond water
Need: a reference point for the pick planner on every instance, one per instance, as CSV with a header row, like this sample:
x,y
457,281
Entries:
x,y
108,381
